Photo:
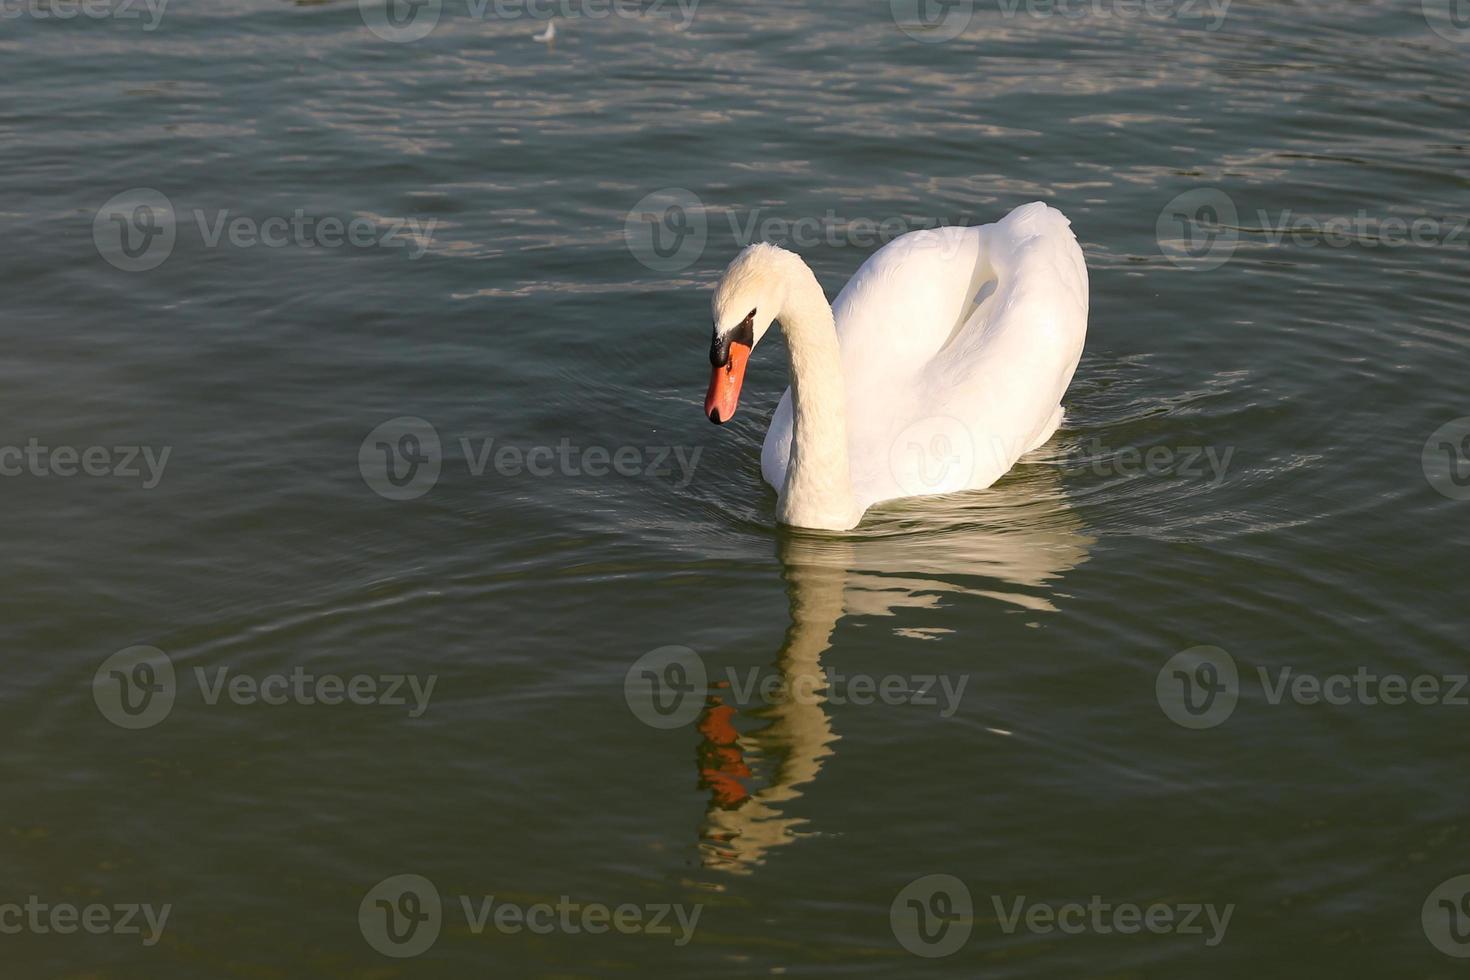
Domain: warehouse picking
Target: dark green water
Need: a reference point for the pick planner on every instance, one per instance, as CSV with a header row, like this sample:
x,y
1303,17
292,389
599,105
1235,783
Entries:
x,y
1250,462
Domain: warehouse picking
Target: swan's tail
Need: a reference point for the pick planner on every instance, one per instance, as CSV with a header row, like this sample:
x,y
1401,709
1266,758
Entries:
x,y
1038,231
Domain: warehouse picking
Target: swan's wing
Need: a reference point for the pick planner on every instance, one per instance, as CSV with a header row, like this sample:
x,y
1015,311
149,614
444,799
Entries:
x,y
1002,310
1035,290
1004,373
906,301
776,450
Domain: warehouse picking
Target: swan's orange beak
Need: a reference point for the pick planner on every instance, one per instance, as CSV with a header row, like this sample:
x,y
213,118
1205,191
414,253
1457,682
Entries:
x,y
724,384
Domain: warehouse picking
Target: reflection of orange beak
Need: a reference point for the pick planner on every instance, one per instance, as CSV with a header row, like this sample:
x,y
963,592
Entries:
x,y
724,385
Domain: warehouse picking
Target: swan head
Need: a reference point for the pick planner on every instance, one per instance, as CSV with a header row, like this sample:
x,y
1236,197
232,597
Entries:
x,y
747,301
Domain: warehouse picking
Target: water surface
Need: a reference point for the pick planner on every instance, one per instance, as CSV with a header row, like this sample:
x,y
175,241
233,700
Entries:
x,y
498,293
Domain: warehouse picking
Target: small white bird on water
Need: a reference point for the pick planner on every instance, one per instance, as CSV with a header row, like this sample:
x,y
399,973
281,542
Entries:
x,y
547,35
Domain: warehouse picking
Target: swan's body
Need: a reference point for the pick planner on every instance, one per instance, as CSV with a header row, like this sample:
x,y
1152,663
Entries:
x,y
941,363
547,35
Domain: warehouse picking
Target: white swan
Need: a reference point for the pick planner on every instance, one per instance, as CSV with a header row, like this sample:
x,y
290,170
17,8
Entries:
x,y
942,362
547,35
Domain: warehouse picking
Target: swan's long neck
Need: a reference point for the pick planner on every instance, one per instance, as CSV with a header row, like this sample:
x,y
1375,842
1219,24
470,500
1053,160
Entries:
x,y
818,489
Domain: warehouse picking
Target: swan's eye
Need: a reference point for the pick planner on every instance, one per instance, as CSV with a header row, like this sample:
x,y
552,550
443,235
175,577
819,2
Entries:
x,y
719,350
745,333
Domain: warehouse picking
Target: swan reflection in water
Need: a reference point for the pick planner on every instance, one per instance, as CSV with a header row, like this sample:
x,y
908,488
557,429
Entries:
x,y
1009,543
